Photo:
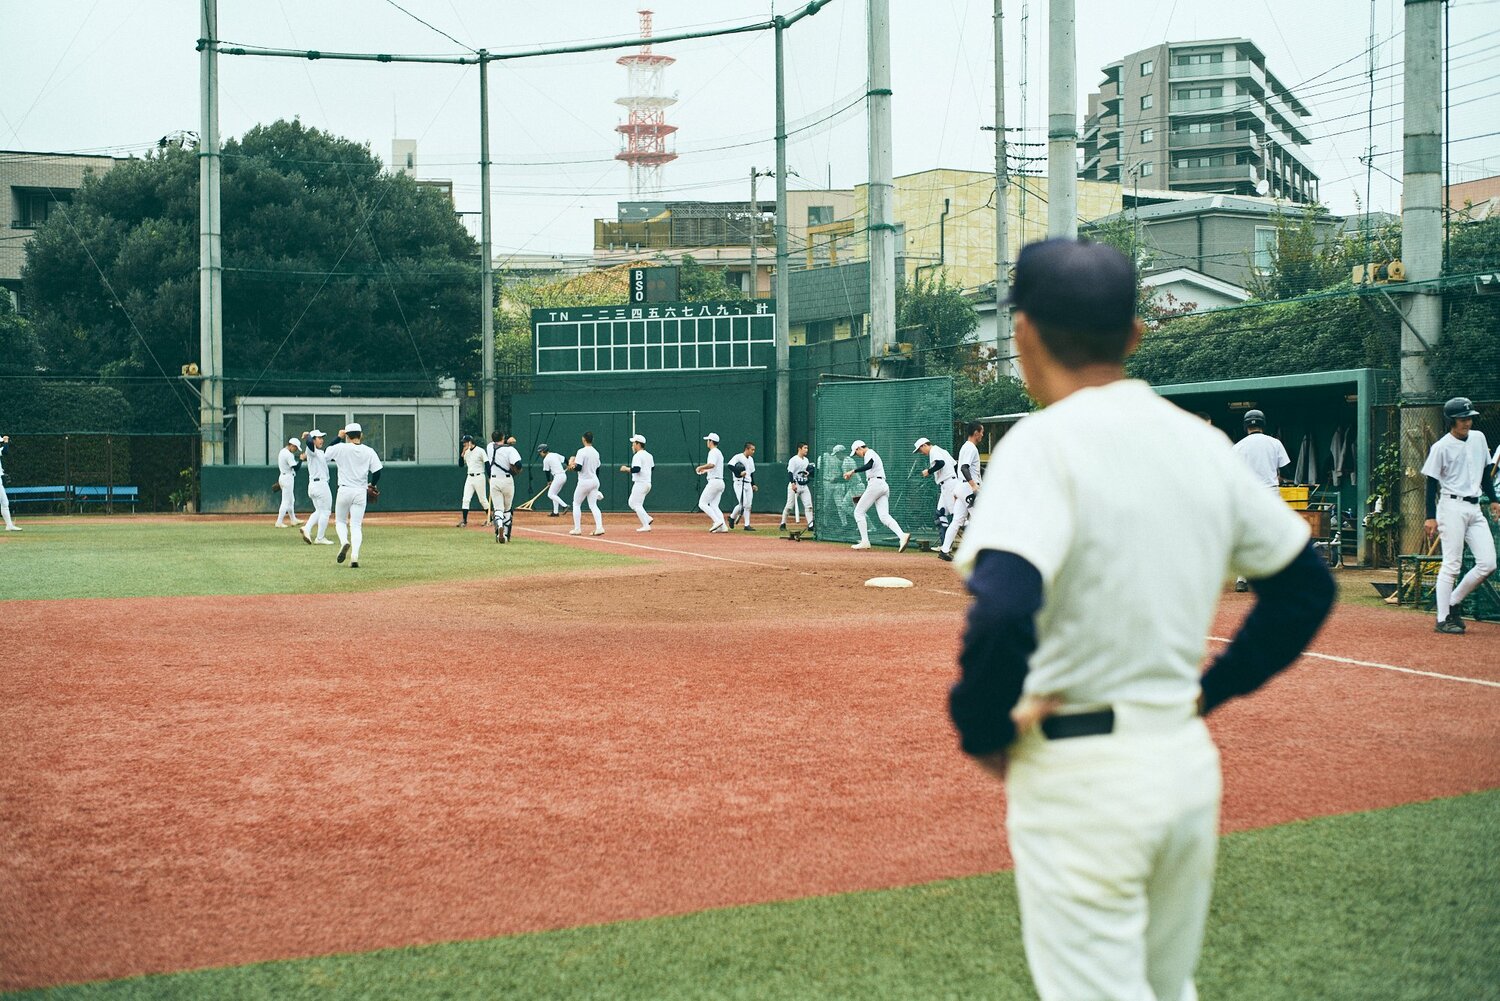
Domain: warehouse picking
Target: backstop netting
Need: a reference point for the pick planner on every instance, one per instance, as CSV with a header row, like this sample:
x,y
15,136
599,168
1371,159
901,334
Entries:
x,y
888,415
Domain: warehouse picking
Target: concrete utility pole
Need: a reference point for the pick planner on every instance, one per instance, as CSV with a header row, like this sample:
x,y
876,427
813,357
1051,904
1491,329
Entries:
x,y
1421,246
1004,349
783,274
486,256
755,233
1062,121
210,251
882,231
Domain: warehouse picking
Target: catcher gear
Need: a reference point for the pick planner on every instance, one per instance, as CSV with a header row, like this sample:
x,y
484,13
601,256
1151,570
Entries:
x,y
1459,406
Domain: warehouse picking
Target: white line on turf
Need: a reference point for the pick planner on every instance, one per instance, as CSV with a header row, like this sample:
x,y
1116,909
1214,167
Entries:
x,y
1385,667
658,549
953,593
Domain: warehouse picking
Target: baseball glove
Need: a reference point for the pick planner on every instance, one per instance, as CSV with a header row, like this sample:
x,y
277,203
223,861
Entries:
x,y
276,487
372,492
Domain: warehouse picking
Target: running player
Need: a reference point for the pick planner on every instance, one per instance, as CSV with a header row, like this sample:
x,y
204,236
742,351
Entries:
x,y
1458,474
10,526
557,478
359,469
965,489
641,464
743,468
317,489
799,473
286,482
586,462
503,466
943,470
471,458
876,495
713,487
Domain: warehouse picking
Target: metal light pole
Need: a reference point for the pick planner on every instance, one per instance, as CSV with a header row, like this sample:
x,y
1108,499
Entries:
x,y
486,256
210,250
1004,349
882,231
783,277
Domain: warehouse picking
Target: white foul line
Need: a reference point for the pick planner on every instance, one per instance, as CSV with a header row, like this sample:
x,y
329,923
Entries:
x,y
661,549
1385,667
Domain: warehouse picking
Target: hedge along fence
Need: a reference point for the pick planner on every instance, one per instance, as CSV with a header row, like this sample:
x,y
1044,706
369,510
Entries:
x,y
153,463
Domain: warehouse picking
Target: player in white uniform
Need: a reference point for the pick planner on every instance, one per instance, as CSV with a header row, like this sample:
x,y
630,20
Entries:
x,y
317,489
799,474
965,488
359,469
503,465
944,472
1092,600
742,467
10,525
471,458
641,464
1265,456
286,480
557,478
877,495
586,462
713,487
1458,474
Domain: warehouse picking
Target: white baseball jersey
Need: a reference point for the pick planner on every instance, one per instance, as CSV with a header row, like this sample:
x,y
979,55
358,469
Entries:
x,y
877,468
356,461
1039,502
968,455
715,464
587,461
502,461
746,463
644,463
1458,463
1263,455
949,470
552,466
3,449
474,461
286,463
317,463
796,468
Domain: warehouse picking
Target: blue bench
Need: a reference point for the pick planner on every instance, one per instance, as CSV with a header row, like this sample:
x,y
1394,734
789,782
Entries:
x,y
107,495
39,495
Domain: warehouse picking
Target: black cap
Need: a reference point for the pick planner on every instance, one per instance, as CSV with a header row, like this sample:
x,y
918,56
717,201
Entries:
x,y
467,437
1075,285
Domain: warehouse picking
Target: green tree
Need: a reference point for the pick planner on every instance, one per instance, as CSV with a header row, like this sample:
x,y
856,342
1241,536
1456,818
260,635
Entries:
x,y
935,318
697,283
1306,257
20,351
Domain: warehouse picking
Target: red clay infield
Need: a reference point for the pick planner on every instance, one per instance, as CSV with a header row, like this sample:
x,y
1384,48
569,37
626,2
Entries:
x,y
187,782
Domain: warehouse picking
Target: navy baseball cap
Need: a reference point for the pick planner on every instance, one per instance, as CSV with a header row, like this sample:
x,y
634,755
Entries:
x,y
1075,285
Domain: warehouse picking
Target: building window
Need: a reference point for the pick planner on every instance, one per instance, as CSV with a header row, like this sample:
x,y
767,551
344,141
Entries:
x,y
35,207
1147,67
1199,59
1148,168
392,436
1265,243
1192,93
292,426
819,215
819,331
1148,135
1147,101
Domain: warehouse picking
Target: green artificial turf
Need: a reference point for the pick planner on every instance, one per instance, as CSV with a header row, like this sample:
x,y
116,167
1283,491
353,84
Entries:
x,y
97,558
1395,905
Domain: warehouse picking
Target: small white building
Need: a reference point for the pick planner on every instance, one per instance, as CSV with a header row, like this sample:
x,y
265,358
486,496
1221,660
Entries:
x,y
1178,287
401,429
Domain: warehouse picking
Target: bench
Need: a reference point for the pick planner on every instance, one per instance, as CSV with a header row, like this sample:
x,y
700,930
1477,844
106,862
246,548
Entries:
x,y
107,495
39,495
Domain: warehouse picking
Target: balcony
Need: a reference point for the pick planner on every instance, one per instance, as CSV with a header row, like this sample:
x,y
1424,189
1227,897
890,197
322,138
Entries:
x,y
1227,173
1212,71
1198,105
1225,138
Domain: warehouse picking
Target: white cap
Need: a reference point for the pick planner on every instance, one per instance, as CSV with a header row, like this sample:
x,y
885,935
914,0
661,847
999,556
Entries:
x,y
638,437
711,437
294,441
315,433
354,429
920,442
857,446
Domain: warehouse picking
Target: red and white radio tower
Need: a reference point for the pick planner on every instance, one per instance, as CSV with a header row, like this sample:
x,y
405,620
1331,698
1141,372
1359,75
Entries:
x,y
645,131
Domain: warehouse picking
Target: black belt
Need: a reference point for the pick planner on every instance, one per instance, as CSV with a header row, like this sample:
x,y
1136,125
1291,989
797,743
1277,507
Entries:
x,y
1466,500
1092,724
874,477
316,479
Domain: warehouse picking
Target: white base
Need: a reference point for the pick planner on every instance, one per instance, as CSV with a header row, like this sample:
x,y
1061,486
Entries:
x,y
888,582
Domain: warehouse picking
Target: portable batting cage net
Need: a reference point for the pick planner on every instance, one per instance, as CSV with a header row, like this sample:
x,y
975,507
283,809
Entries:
x,y
889,415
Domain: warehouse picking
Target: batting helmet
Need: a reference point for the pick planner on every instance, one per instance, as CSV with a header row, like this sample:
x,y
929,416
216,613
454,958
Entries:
x,y
467,437
1459,406
1254,418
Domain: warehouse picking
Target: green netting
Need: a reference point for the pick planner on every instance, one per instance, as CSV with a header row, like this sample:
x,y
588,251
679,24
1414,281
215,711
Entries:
x,y
888,415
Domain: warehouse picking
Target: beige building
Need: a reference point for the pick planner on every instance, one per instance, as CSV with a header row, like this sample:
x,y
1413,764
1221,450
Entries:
x,y
35,185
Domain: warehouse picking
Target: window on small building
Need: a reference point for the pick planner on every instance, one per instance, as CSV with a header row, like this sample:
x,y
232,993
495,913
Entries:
x,y
1148,135
1265,243
35,207
1148,168
292,426
819,331
819,215
1147,67
1147,100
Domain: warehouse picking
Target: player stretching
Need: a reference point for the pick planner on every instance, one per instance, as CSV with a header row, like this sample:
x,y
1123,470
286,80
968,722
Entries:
x,y
10,526
503,463
943,470
557,478
471,458
317,489
286,482
799,473
1458,472
359,471
876,495
965,489
743,467
713,488
641,464
587,489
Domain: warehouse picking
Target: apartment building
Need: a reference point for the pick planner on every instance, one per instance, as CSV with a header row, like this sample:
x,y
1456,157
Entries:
x,y
1204,116
35,184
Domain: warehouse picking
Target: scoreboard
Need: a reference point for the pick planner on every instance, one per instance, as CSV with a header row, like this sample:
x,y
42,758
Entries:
x,y
654,337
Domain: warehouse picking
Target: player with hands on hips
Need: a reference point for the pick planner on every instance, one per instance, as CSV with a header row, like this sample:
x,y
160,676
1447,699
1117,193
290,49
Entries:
x,y
1080,687
557,478
286,482
944,472
1265,456
472,459
586,462
799,474
965,488
877,495
641,464
359,472
1458,474
318,490
743,468
10,525
503,465
713,487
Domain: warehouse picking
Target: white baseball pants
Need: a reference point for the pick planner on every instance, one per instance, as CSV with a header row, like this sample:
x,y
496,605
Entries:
x,y
877,495
554,492
708,501
474,487
288,483
1458,523
5,509
957,503
502,494
794,493
744,499
349,518
1114,839
322,499
587,490
638,492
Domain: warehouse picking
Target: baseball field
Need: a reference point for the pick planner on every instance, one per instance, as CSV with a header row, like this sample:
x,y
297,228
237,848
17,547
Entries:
x,y
664,765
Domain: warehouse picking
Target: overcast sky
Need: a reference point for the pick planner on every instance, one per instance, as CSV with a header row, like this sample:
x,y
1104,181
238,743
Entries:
x,y
91,75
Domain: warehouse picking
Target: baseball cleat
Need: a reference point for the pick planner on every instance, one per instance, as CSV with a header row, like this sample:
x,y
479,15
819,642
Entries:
x,y
781,527
325,542
554,514
1241,585
343,552
12,528
644,528
354,565
860,545
306,538
1449,626
749,529
575,531
462,524
905,538
945,557
597,531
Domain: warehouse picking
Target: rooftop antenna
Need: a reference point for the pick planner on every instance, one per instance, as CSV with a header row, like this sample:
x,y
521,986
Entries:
x,y
645,130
